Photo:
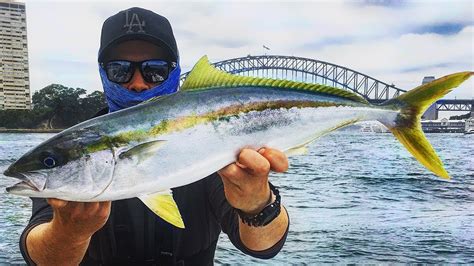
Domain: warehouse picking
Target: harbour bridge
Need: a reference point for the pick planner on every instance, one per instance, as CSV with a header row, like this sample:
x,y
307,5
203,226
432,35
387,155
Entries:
x,y
316,71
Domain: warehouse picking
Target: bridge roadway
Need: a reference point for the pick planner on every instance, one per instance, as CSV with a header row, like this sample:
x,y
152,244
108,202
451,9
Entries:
x,y
459,105
316,71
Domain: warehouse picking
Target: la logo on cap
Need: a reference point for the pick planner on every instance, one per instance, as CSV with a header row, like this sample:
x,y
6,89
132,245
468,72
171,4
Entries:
x,y
134,22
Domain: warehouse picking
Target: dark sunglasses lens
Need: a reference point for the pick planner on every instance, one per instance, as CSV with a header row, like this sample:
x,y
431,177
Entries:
x,y
119,71
155,71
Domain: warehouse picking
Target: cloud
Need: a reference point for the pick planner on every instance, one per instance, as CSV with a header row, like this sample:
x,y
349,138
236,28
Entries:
x,y
444,28
342,40
396,41
387,3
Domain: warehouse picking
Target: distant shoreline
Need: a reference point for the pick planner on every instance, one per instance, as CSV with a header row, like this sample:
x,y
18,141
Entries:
x,y
30,130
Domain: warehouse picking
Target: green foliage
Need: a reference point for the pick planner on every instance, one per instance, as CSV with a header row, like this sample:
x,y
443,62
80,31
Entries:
x,y
21,118
55,106
91,104
460,117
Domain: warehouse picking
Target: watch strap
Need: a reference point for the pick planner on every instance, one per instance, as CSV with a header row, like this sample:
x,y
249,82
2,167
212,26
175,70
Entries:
x,y
267,214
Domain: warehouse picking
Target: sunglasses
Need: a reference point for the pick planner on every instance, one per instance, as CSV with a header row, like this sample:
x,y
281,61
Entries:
x,y
153,71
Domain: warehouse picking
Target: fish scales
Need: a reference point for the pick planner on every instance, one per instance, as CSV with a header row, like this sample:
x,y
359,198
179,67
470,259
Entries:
x,y
221,137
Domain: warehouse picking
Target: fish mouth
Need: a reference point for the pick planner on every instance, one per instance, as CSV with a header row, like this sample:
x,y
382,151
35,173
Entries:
x,y
11,173
21,186
26,182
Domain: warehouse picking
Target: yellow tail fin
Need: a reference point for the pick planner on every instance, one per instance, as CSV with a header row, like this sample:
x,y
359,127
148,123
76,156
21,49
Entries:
x,y
408,127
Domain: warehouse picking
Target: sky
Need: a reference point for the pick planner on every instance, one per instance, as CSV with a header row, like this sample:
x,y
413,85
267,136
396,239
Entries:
x,y
397,42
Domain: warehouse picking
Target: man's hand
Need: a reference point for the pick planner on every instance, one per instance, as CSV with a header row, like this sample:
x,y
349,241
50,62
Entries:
x,y
246,181
64,240
246,188
79,219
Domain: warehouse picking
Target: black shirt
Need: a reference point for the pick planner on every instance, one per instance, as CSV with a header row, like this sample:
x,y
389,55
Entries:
x,y
134,235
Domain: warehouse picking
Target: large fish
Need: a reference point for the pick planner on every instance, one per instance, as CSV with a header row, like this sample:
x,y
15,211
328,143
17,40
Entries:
x,y
174,140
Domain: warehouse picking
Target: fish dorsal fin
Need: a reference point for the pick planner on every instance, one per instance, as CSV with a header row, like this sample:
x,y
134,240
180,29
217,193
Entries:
x,y
205,76
153,99
163,205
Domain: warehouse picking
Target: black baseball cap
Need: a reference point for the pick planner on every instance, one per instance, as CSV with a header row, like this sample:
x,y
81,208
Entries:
x,y
137,24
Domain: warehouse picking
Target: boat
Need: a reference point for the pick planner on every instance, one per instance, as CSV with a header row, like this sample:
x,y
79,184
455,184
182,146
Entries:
x,y
372,128
469,126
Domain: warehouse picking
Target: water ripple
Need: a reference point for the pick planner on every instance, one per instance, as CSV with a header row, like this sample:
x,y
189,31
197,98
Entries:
x,y
354,198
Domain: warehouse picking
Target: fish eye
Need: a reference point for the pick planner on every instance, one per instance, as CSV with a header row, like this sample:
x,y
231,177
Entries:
x,y
49,160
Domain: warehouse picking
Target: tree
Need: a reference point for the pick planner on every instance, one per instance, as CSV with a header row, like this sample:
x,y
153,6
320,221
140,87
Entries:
x,y
60,103
460,117
21,118
67,106
57,106
91,104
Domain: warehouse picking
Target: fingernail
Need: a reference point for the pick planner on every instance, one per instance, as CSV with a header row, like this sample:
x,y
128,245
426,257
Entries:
x,y
261,151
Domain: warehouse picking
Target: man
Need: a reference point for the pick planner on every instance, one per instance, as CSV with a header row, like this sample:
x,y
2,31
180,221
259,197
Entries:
x,y
138,60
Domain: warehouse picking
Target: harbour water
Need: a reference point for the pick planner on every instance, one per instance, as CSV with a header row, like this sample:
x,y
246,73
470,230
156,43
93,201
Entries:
x,y
355,198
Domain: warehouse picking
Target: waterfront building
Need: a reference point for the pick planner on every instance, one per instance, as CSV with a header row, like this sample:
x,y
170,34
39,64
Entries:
x,y
14,71
443,126
431,113
469,129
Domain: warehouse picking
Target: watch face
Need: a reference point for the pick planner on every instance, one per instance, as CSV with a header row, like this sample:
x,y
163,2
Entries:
x,y
271,214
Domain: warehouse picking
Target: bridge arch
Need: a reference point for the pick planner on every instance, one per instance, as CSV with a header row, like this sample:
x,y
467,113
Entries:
x,y
310,71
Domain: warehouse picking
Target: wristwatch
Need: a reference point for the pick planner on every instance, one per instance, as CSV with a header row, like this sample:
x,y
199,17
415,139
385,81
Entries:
x,y
267,215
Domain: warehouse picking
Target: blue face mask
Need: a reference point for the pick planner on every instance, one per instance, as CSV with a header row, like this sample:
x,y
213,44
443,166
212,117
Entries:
x,y
119,97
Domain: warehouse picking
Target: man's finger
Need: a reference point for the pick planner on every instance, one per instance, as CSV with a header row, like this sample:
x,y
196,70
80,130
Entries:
x,y
91,207
57,203
105,204
255,162
234,173
277,159
104,208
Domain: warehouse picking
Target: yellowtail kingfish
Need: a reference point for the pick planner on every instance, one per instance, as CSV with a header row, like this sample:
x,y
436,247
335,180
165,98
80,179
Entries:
x,y
174,140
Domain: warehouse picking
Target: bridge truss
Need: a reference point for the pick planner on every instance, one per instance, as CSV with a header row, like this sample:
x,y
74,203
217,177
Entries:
x,y
310,71
455,105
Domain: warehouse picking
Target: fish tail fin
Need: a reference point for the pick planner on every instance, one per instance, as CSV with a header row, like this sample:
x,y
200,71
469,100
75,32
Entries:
x,y
412,105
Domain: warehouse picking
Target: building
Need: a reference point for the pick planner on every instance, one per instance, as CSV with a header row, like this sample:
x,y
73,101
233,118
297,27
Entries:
x,y
14,71
431,113
469,129
443,126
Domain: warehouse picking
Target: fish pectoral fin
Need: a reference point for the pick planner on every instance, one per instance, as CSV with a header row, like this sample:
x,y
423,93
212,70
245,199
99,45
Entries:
x,y
163,205
300,150
143,150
